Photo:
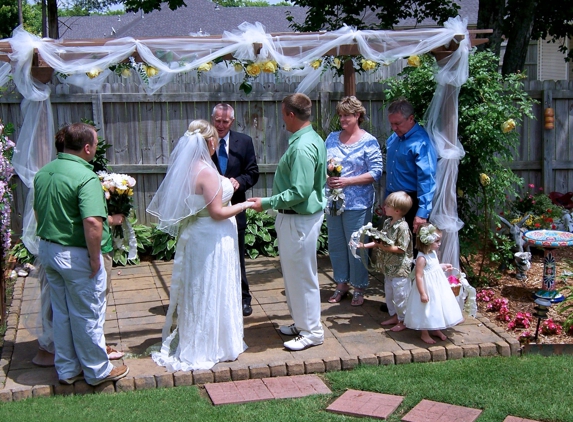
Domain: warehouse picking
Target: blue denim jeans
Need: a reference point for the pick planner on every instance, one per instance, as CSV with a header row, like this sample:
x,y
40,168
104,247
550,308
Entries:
x,y
345,267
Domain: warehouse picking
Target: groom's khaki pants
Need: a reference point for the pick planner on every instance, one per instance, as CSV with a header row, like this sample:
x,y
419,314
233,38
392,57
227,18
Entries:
x,y
297,236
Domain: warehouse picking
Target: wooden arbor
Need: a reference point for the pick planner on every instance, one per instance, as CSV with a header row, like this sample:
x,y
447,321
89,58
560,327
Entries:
x,y
43,72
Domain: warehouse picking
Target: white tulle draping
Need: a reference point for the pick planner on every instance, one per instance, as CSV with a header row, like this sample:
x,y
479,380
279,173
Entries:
x,y
294,54
442,126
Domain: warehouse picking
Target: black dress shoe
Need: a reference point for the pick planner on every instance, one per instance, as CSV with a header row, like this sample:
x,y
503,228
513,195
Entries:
x,y
247,310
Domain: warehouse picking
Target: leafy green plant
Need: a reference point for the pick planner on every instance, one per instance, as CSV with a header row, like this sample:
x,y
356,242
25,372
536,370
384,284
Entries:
x,y
567,306
162,244
260,235
322,242
100,161
488,103
144,245
22,254
537,204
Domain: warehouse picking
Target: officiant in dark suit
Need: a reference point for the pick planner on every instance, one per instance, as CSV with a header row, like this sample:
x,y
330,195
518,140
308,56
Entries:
x,y
235,159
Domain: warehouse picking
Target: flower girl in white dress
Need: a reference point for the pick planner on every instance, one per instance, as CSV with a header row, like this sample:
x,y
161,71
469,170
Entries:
x,y
431,305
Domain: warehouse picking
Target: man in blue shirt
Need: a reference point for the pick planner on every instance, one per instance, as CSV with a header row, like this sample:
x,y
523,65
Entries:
x,y
410,162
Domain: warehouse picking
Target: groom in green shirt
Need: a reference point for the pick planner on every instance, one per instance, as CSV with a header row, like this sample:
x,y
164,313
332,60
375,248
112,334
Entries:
x,y
298,196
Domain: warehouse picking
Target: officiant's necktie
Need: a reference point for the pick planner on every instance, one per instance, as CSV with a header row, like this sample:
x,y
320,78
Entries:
x,y
223,157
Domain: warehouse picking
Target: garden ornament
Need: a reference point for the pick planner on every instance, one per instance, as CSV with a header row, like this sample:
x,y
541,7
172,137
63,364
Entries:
x,y
523,264
516,231
567,221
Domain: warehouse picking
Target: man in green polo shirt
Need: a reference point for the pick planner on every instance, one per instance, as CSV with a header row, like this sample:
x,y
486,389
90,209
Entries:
x,y
72,221
298,196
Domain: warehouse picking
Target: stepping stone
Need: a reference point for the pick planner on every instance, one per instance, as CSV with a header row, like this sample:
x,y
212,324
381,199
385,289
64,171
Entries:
x,y
364,403
265,389
431,411
296,386
516,419
238,392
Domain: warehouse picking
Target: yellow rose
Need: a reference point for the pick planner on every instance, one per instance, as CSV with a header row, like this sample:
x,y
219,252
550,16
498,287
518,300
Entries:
x,y
205,67
460,193
125,73
269,67
368,64
130,192
151,71
316,64
254,69
508,126
484,179
94,73
238,67
336,63
414,61
339,168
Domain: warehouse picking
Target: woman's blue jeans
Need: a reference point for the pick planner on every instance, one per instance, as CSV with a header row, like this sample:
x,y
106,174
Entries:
x,y
345,267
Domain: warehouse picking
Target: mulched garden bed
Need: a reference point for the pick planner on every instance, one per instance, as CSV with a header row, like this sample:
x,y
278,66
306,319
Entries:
x,y
519,293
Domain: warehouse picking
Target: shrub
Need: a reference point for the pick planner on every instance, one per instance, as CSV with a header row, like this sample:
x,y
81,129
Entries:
x,y
535,203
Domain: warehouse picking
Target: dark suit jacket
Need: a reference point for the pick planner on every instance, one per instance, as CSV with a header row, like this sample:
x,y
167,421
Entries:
x,y
242,166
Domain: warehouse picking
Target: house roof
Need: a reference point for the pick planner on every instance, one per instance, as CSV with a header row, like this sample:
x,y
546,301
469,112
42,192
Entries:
x,y
199,17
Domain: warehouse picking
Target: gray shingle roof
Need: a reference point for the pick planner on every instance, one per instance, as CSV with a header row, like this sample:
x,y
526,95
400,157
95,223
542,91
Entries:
x,y
199,15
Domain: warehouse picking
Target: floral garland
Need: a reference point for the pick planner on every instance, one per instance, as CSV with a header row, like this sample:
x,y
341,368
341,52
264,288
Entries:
x,y
357,238
6,173
251,69
336,63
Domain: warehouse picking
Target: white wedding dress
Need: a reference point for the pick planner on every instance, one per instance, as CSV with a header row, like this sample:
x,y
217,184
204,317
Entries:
x,y
206,295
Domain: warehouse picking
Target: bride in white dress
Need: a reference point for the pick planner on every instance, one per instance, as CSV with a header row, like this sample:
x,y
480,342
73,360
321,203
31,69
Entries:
x,y
193,203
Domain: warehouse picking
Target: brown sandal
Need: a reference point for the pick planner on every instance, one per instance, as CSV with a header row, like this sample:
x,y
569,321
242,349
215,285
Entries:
x,y
337,296
357,298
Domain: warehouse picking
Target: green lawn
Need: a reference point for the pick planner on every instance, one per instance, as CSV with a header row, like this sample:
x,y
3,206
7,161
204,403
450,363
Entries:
x,y
534,387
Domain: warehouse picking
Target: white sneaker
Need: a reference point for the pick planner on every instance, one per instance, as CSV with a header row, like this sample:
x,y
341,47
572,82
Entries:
x,y
301,342
289,330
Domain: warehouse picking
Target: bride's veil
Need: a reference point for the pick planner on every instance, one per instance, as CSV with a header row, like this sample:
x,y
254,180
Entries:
x,y
178,197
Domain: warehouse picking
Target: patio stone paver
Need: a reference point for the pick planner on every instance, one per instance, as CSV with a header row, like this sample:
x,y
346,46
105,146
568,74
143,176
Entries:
x,y
136,314
431,411
516,419
238,392
265,389
364,403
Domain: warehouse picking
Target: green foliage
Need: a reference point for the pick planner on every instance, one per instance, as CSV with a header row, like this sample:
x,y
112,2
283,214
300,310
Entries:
x,y
8,17
537,204
22,254
100,160
144,245
332,14
567,307
162,244
486,101
260,235
322,242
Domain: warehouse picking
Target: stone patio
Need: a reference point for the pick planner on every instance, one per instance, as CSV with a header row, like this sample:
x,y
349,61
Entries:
x,y
136,313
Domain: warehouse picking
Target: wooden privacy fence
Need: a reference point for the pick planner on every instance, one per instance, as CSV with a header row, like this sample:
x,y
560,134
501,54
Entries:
x,y
144,129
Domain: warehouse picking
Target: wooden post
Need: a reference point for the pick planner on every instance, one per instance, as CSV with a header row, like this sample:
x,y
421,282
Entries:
x,y
349,78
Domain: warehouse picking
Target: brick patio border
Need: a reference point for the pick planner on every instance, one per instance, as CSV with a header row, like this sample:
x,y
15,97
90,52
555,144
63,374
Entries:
x,y
510,346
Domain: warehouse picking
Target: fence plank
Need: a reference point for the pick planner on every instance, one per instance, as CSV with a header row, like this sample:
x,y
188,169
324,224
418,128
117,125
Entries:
x,y
143,129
